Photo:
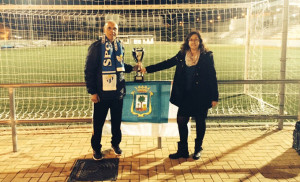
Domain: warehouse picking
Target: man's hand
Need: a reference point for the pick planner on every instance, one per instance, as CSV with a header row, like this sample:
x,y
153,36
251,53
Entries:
x,y
136,67
214,103
95,98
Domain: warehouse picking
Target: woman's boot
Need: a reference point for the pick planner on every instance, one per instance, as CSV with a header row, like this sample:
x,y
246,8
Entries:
x,y
182,151
198,149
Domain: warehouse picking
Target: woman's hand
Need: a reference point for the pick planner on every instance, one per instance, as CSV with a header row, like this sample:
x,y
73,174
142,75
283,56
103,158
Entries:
x,y
143,70
214,103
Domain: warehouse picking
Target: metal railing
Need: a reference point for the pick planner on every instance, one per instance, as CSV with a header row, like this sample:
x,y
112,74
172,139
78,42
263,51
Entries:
x,y
11,90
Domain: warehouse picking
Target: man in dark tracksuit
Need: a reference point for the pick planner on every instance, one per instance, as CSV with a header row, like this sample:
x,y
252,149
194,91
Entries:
x,y
104,77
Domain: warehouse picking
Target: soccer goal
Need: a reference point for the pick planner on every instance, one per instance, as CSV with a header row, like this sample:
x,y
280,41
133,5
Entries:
x,y
50,39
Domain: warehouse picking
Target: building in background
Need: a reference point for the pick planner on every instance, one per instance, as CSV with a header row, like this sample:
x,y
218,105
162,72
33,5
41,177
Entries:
x,y
4,32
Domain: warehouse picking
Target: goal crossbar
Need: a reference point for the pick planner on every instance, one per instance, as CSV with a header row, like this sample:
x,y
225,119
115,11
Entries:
x,y
124,7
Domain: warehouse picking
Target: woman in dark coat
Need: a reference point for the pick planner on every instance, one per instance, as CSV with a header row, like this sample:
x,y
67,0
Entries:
x,y
194,91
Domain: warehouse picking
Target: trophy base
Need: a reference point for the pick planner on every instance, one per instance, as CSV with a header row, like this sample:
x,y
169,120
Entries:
x,y
139,79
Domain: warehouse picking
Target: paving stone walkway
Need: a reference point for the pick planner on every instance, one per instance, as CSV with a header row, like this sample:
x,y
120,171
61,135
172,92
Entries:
x,y
229,155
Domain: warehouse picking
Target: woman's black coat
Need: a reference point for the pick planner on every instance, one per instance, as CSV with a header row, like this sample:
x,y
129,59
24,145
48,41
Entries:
x,y
204,89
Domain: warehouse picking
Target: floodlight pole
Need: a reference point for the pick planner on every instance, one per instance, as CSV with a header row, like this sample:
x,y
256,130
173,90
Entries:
x,y
283,60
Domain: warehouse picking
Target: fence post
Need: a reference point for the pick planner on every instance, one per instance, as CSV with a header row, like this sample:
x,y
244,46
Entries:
x,y
299,104
13,118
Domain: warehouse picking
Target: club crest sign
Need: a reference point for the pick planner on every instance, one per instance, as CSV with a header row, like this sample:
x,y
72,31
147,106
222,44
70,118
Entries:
x,y
141,102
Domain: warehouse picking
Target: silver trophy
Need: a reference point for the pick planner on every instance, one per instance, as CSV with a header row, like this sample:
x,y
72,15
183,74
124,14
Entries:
x,y
138,54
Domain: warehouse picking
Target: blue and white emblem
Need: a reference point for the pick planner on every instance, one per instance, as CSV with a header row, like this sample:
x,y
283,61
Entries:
x,y
141,102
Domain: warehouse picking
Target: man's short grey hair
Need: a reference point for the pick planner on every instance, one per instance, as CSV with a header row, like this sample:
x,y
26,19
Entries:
x,y
110,21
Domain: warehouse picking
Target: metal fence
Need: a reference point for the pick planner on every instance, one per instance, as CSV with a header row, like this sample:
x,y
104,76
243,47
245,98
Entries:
x,y
280,116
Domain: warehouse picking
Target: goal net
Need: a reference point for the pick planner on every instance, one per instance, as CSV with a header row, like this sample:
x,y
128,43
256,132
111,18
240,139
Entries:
x,y
47,41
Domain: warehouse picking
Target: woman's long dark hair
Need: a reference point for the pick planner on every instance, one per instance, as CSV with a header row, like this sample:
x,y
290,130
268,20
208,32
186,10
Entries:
x,y
185,46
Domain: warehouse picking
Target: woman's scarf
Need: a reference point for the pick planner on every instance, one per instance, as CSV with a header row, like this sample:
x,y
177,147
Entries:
x,y
190,59
112,62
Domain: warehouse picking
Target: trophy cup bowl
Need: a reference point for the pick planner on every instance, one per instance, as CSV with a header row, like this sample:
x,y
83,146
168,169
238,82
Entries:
x,y
138,54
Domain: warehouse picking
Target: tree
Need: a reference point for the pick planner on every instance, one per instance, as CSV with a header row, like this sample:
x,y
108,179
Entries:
x,y
141,100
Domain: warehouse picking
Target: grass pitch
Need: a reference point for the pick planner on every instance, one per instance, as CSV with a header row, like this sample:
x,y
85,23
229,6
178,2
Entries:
x,y
66,64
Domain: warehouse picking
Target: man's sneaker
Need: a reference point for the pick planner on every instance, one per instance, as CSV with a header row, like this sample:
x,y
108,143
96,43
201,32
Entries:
x,y
117,150
97,155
